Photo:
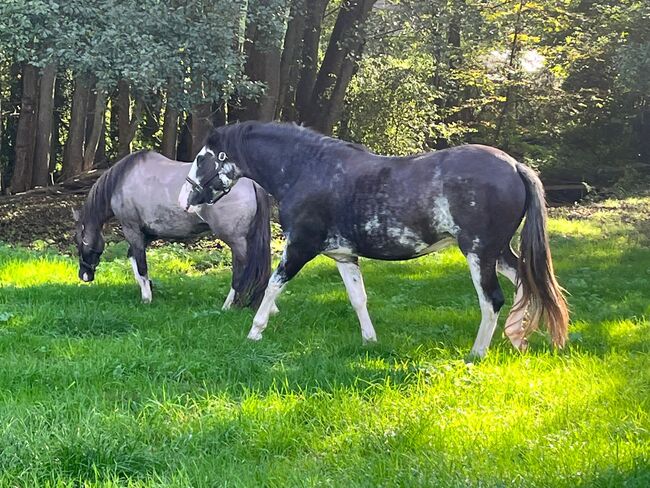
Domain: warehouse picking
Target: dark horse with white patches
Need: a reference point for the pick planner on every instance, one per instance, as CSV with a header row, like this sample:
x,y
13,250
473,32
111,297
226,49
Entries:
x,y
141,191
340,200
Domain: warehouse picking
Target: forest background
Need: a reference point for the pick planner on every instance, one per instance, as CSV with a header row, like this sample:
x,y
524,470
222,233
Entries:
x,y
563,85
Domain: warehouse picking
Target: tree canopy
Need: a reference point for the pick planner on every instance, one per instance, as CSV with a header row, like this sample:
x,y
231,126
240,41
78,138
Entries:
x,y
561,84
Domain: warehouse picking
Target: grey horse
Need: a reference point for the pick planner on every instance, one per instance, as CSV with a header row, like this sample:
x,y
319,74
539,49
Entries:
x,y
141,192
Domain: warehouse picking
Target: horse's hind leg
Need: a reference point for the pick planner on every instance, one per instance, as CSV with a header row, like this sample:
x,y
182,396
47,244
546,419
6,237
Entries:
x,y
138,257
490,296
514,327
351,274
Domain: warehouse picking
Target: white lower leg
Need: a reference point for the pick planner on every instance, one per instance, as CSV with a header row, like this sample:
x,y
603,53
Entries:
x,y
274,309
353,280
488,316
263,313
143,281
514,326
229,299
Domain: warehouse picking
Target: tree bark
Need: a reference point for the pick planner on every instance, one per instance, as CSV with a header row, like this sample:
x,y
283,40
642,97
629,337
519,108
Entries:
x,y
335,73
123,115
184,150
310,43
514,49
200,126
59,103
170,128
263,65
74,145
289,64
96,131
41,176
151,119
127,123
26,133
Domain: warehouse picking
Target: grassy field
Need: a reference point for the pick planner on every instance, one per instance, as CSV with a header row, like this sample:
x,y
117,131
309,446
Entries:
x,y
99,390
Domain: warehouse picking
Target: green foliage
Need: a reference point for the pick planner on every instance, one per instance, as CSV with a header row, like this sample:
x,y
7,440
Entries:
x,y
100,390
561,84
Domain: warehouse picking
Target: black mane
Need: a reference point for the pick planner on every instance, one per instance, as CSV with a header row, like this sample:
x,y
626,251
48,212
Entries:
x,y
97,208
312,143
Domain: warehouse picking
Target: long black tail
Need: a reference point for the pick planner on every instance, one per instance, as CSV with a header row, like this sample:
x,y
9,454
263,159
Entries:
x,y
541,292
257,270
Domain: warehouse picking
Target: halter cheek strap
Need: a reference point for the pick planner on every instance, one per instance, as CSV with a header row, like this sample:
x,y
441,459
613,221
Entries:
x,y
196,186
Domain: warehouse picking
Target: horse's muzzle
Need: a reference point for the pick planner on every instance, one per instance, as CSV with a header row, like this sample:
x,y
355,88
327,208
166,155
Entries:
x,y
86,275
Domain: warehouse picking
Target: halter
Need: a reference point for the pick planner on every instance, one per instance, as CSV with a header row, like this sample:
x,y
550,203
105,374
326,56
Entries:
x,y
93,267
196,186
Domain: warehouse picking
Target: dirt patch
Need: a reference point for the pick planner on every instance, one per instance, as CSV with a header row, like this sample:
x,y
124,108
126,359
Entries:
x,y
45,218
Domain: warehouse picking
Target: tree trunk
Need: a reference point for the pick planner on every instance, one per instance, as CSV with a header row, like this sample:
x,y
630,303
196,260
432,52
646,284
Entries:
x,y
289,64
96,130
74,145
151,120
334,105
170,129
26,133
335,73
514,49
41,176
310,42
101,160
59,104
127,123
200,126
123,115
184,150
263,65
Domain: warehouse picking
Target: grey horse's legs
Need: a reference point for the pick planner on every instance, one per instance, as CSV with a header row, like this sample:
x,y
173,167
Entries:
x,y
138,257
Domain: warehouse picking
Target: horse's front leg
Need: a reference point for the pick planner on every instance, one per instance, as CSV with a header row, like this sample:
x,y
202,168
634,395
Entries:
x,y
293,259
351,274
138,257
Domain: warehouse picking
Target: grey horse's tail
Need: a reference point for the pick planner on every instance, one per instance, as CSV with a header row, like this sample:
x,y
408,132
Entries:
x,y
541,292
253,279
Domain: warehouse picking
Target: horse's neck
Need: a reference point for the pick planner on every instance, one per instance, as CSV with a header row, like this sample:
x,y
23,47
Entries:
x,y
101,213
274,166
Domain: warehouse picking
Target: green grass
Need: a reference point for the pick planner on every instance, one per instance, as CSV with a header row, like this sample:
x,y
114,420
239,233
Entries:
x,y
97,389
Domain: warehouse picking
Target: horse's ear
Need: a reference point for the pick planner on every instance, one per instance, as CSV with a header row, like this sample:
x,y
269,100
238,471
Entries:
x,y
76,215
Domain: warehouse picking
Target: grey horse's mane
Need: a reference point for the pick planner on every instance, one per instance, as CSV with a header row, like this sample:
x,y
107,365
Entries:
x,y
97,208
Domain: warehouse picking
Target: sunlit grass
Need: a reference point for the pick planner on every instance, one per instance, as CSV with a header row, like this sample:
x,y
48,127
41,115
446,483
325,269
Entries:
x,y
99,390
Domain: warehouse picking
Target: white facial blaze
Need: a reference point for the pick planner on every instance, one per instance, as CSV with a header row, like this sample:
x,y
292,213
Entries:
x,y
186,189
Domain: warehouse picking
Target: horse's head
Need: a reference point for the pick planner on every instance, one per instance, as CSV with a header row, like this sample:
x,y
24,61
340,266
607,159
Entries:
x,y
90,246
211,176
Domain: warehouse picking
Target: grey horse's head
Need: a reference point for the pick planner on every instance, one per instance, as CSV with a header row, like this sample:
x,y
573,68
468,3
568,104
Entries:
x,y
90,245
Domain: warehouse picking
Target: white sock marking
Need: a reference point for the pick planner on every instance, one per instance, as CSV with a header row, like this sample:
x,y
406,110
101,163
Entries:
x,y
143,281
229,299
488,316
261,319
353,280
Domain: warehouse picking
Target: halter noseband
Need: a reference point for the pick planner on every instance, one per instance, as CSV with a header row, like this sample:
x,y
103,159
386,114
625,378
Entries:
x,y
196,186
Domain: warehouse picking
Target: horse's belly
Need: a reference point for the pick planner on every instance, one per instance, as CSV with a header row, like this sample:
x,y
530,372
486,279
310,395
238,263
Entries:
x,y
402,248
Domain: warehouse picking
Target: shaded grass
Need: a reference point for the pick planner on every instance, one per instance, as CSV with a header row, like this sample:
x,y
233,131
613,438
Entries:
x,y
98,389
